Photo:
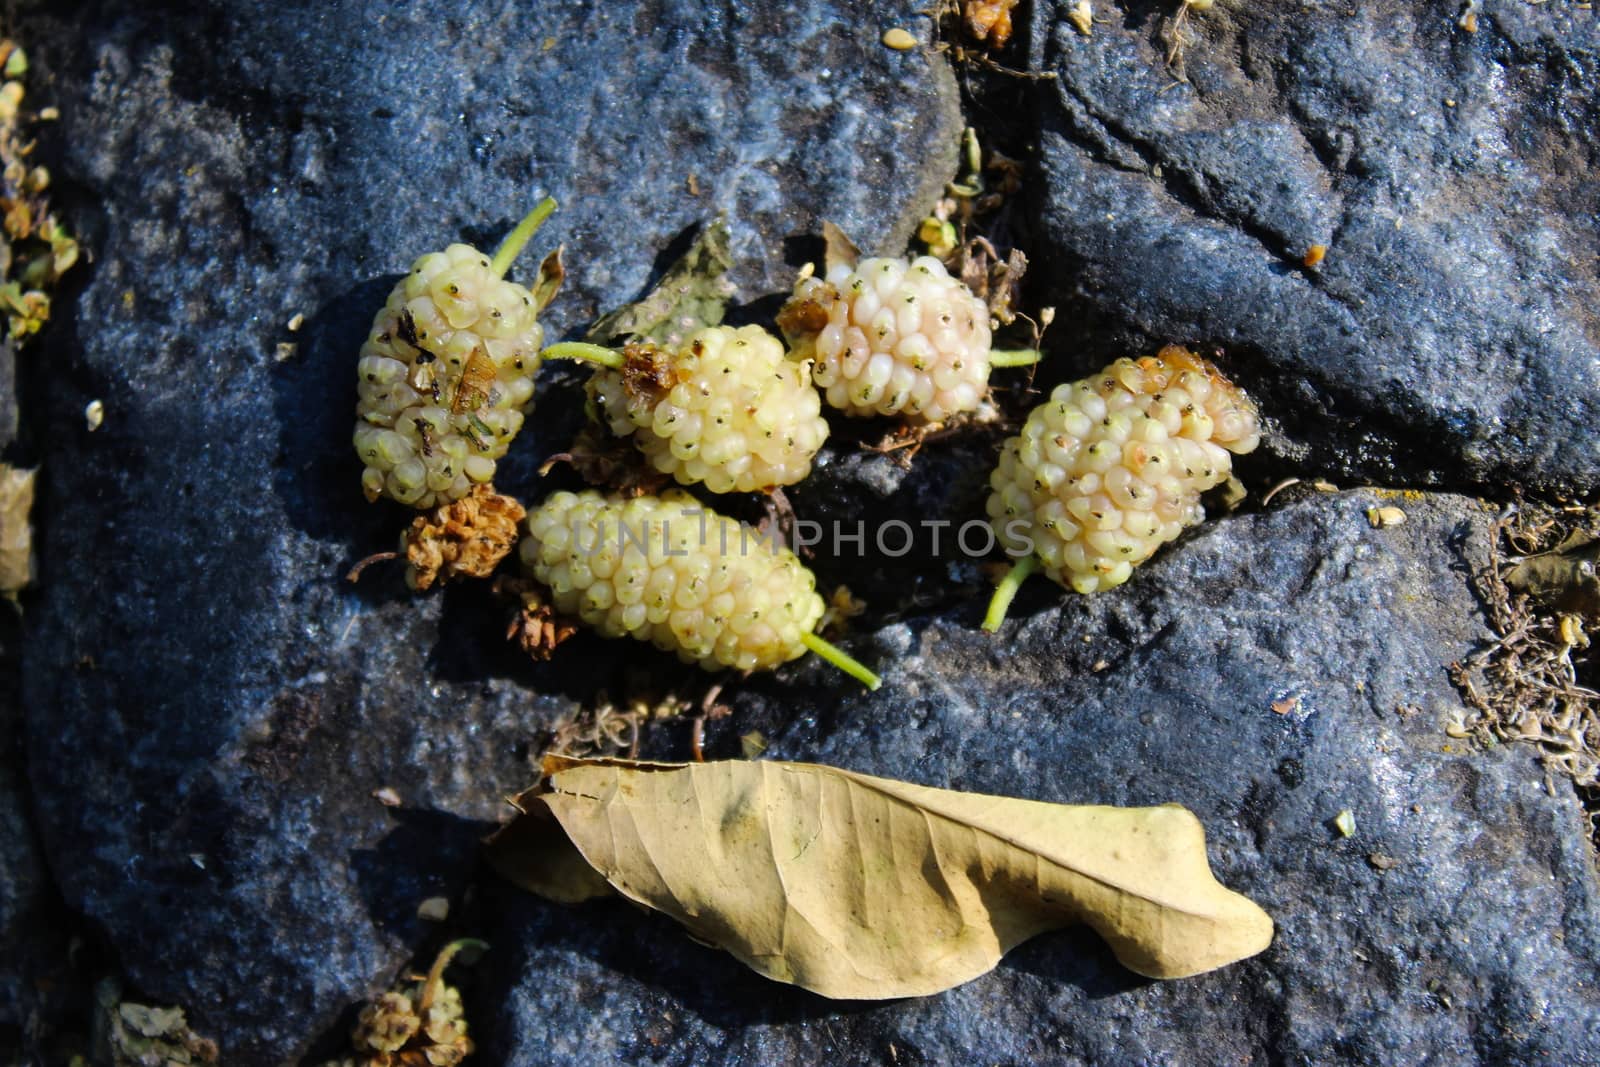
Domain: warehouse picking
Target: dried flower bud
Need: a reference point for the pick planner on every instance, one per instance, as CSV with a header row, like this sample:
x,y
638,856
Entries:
x,y
464,538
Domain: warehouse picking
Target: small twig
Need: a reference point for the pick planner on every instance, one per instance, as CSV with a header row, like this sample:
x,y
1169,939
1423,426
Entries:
x,y
780,514
559,457
908,440
376,557
1275,490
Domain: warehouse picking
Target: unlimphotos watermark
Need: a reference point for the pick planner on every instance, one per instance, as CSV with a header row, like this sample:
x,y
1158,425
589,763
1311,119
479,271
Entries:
x,y
895,538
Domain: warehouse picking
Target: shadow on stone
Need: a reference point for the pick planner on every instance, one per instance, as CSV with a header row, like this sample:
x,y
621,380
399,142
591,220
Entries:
x,y
333,1042
553,952
473,647
427,854
317,474
552,943
1075,956
802,248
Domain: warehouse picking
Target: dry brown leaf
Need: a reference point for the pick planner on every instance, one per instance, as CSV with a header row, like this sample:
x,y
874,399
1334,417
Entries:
x,y
534,852
869,888
837,249
16,531
1566,578
552,273
692,294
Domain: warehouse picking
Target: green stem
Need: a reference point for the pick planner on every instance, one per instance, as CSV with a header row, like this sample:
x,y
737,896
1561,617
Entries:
x,y
588,353
1006,591
518,238
841,659
1014,357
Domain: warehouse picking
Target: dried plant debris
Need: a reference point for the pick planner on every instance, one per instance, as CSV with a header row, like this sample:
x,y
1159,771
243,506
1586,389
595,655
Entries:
x,y
38,250
533,852
983,24
16,530
1177,36
419,1023
992,278
136,1035
988,21
860,887
608,728
837,248
1082,17
466,538
601,458
1537,682
843,606
692,295
535,627
987,183
1564,579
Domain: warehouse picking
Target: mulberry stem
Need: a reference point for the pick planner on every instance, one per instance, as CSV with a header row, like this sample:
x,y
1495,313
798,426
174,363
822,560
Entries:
x,y
518,238
582,350
841,659
1006,590
435,980
1014,357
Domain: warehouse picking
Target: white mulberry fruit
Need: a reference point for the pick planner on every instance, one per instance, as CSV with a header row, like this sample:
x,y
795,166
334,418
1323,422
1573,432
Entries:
x,y
892,338
727,408
670,571
446,373
1112,467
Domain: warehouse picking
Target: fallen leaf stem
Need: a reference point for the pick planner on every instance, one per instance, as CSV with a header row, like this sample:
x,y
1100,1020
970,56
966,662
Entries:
x,y
1014,357
587,353
1006,591
518,238
841,659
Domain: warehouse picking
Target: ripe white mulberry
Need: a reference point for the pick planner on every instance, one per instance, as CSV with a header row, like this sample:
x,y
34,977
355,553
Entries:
x,y
670,571
447,372
1112,467
889,337
727,407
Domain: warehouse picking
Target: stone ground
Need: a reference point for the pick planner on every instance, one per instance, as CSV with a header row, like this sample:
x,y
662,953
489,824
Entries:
x,y
204,707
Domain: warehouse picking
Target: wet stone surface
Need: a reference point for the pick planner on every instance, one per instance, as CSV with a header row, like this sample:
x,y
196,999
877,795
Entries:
x,y
1445,172
215,705
1258,677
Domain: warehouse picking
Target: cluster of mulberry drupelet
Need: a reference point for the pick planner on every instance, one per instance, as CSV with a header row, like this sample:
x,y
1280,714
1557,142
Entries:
x,y
447,372
727,408
888,337
1112,467
1103,474
666,570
